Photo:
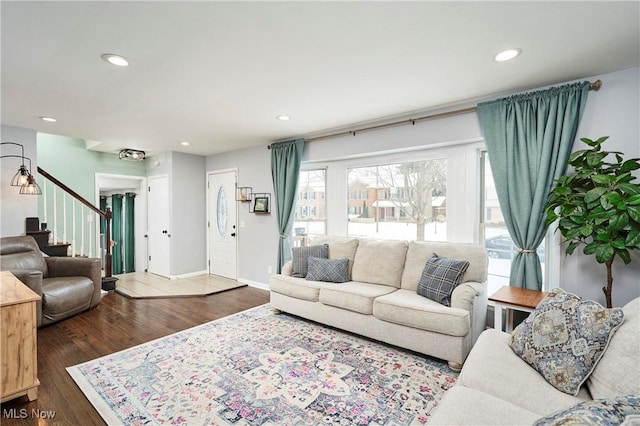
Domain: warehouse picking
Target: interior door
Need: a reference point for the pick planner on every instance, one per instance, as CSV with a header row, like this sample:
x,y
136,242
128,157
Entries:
x,y
158,220
222,224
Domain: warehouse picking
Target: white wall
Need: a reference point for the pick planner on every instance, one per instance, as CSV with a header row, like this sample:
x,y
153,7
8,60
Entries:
x,y
612,111
258,238
187,209
188,219
15,207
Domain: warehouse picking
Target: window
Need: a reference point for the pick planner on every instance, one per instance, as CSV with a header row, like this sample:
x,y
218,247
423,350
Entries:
x,y
500,247
310,217
403,201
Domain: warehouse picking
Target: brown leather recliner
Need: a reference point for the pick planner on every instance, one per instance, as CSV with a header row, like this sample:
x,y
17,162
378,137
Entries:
x,y
66,285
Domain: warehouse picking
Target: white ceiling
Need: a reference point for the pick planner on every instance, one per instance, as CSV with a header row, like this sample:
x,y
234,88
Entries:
x,y
217,74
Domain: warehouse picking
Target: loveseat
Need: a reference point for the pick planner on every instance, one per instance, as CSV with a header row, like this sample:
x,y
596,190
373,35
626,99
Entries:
x,y
66,285
380,301
497,387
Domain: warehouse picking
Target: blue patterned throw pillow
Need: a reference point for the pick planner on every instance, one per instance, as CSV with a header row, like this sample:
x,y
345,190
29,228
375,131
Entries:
x,y
611,412
329,270
564,338
440,277
300,256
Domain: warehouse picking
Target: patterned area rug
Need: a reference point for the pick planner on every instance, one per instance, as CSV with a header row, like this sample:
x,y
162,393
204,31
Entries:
x,y
257,368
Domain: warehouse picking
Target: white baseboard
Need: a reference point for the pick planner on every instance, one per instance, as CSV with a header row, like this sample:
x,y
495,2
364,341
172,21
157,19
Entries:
x,y
250,283
189,275
256,284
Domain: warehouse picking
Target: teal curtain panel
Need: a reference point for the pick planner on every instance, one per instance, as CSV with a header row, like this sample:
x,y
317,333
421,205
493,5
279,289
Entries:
x,y
529,138
103,207
116,234
129,232
286,157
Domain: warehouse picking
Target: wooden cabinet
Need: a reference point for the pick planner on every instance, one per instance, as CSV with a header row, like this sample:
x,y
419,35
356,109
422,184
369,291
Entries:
x,y
18,339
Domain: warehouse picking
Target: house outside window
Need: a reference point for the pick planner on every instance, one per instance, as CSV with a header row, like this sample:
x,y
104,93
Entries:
x,y
398,201
310,219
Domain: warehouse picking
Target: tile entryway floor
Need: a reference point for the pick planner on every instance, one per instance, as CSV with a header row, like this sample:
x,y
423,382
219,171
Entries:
x,y
146,285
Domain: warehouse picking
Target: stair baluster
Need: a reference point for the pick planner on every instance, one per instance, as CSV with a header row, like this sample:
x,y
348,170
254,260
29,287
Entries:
x,y
108,281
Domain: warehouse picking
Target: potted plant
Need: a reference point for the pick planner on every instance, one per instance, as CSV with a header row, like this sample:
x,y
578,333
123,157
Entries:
x,y
598,205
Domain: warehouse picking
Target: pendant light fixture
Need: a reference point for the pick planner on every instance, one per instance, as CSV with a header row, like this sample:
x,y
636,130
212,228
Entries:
x,y
23,177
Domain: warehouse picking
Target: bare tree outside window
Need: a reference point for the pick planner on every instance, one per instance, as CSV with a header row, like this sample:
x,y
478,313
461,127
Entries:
x,y
401,200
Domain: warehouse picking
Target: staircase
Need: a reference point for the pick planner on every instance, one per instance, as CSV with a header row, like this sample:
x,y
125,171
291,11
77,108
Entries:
x,y
72,226
42,238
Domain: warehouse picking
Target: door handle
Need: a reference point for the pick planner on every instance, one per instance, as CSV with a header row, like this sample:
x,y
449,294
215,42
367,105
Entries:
x,y
233,234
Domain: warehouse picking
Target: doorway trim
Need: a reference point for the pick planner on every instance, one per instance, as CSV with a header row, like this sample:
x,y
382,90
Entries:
x,y
209,224
140,213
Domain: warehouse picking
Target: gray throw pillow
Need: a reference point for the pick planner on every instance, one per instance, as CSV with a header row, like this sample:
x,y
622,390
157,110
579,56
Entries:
x,y
564,338
301,254
328,270
440,277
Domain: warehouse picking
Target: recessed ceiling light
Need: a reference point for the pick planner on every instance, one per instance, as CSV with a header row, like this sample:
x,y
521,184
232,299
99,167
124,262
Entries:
x,y
283,117
49,119
118,60
507,55
185,143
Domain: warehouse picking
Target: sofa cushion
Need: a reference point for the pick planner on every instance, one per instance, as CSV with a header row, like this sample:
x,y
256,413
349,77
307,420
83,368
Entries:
x,y
65,296
618,373
493,368
564,338
611,412
420,251
354,296
465,406
22,253
439,277
300,256
329,270
298,288
380,262
405,307
340,248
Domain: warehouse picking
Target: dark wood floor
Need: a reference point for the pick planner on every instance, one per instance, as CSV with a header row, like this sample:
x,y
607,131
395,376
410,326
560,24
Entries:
x,y
117,323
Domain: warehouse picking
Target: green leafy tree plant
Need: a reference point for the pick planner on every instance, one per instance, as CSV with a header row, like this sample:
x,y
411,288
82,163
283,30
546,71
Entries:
x,y
598,205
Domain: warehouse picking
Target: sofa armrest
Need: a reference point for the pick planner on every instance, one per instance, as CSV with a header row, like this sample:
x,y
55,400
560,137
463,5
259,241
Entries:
x,y
29,277
78,266
472,297
287,268
464,295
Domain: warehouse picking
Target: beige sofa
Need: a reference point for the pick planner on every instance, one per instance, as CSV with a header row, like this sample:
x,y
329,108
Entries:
x,y
381,302
496,387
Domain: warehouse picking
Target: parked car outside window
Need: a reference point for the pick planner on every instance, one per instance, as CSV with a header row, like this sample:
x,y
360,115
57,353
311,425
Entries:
x,y
503,247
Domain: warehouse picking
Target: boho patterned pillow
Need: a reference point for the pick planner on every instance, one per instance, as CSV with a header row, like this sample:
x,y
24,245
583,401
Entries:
x,y
329,270
440,277
300,256
564,338
597,412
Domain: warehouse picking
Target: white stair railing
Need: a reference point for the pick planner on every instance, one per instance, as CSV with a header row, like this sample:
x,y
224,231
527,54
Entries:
x,y
90,220
65,215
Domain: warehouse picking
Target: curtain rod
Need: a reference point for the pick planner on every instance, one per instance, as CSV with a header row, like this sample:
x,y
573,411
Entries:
x,y
596,85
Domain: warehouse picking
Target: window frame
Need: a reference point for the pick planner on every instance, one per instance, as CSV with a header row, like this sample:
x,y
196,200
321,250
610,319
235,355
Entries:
x,y
461,182
551,265
304,195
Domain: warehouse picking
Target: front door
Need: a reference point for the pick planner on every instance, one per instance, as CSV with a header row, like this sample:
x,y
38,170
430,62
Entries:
x,y
159,233
222,224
